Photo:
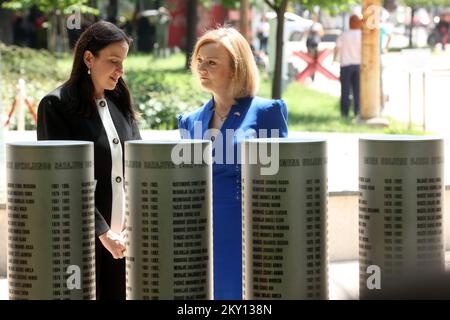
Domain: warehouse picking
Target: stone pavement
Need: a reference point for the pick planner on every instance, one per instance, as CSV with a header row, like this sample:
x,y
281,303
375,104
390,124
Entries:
x,y
426,100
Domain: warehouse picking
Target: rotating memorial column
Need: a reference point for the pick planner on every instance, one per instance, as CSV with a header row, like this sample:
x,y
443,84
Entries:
x,y
284,208
168,219
51,241
400,213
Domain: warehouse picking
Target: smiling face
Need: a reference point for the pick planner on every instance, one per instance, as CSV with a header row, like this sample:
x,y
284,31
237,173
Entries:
x,y
214,67
107,67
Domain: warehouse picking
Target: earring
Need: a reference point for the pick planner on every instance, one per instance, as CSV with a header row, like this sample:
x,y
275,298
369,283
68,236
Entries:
x,y
89,71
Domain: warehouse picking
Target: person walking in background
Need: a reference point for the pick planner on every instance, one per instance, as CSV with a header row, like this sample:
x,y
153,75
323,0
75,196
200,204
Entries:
x,y
348,47
94,104
162,32
314,37
263,34
443,28
20,28
315,34
224,64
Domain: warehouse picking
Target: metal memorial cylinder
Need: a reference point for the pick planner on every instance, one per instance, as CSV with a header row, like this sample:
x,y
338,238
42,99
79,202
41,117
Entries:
x,y
50,207
168,219
284,208
400,213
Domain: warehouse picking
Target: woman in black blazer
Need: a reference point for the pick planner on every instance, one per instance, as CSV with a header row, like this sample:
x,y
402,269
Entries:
x,y
95,105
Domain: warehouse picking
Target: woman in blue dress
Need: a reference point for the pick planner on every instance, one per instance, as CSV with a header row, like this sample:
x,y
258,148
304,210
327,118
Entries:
x,y
224,64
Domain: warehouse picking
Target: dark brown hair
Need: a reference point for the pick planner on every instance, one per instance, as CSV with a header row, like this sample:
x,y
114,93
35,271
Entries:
x,y
80,87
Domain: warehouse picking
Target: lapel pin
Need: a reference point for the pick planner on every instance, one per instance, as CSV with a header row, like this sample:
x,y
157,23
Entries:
x,y
237,114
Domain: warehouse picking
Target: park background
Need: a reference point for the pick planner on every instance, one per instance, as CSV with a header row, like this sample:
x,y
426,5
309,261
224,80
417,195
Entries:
x,y
36,39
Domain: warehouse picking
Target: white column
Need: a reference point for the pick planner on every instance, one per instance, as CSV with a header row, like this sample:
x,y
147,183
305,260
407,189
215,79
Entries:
x,y
168,220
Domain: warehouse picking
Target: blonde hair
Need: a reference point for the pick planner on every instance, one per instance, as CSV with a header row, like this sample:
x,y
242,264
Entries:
x,y
242,62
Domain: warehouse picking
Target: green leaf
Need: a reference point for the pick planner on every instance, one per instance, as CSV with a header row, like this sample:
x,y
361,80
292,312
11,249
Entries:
x,y
50,6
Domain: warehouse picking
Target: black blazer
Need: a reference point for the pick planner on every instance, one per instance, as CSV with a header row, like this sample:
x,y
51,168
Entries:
x,y
57,122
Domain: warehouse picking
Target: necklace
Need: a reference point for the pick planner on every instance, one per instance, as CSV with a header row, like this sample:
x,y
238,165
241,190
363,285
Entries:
x,y
222,118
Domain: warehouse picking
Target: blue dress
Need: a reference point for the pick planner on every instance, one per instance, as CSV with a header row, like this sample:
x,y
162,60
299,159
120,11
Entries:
x,y
246,118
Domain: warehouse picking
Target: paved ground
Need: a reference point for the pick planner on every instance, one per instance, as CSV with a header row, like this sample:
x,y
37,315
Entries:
x,y
425,100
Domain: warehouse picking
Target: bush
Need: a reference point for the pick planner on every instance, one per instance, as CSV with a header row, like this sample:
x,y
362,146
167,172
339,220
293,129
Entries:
x,y
161,95
161,89
39,70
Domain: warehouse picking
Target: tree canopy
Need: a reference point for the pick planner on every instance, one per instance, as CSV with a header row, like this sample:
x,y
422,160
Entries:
x,y
50,6
425,3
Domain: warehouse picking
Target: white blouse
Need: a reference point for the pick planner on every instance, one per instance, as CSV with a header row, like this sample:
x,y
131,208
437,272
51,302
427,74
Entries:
x,y
118,194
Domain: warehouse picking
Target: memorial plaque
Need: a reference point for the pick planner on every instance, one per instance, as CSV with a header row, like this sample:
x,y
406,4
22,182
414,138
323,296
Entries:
x,y
168,219
50,207
400,211
284,216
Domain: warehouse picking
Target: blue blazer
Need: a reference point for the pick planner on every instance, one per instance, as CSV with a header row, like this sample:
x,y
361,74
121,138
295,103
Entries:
x,y
246,118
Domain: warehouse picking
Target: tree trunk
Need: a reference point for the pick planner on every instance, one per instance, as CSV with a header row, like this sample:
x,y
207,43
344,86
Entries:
x,y
134,25
411,26
6,34
191,30
63,33
243,19
370,60
52,32
57,36
112,10
277,76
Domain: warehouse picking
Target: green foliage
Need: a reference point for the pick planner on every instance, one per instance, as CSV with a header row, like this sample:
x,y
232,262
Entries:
x,y
330,6
310,110
38,68
425,3
162,89
49,6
